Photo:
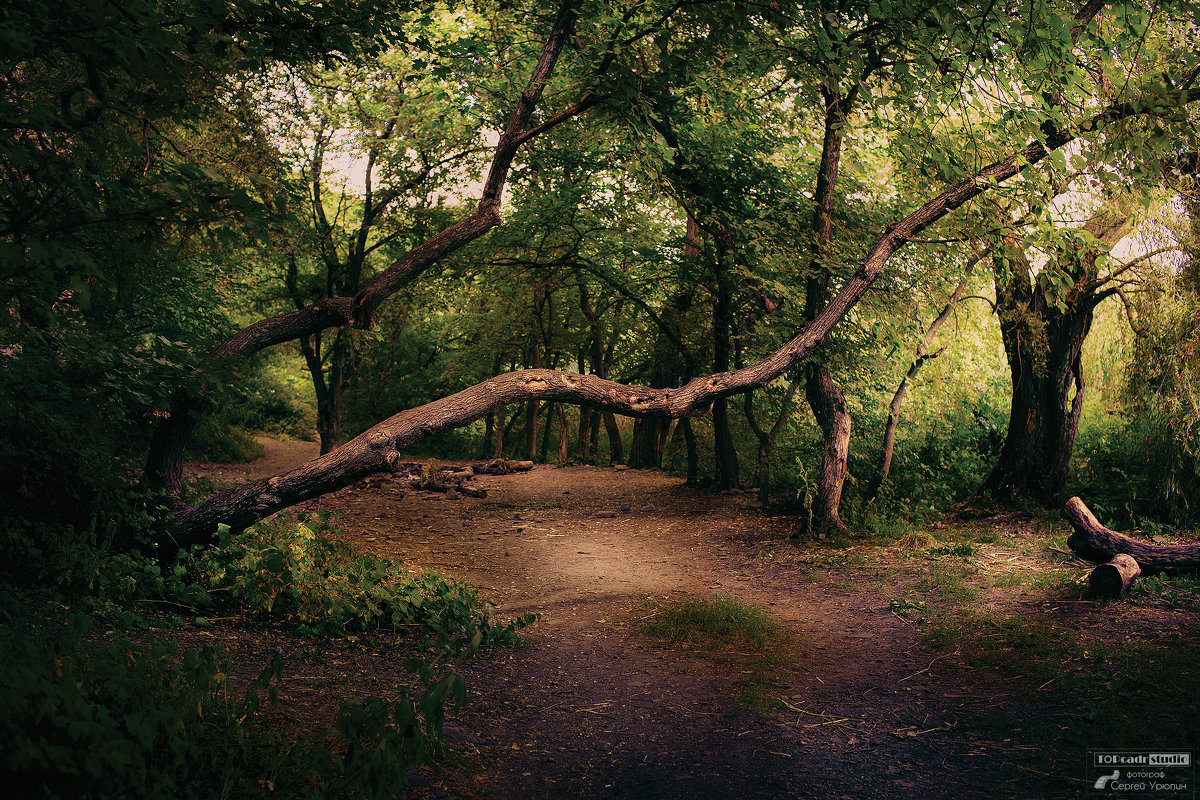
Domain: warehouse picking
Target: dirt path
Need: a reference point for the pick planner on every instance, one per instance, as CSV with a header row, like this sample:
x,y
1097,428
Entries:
x,y
592,708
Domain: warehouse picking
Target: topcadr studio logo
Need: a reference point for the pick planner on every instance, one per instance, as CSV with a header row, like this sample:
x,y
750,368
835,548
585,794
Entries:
x,y
1141,773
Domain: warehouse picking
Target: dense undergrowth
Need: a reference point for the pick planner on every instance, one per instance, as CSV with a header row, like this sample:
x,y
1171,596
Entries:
x,y
96,701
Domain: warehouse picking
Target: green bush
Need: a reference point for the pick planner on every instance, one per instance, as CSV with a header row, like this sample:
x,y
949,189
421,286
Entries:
x,y
1138,472
305,571
263,396
218,442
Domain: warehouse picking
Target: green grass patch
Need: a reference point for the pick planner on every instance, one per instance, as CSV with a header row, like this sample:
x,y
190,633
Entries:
x,y
949,581
737,634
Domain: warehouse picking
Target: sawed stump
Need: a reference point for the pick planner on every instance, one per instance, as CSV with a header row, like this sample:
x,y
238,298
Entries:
x,y
1109,580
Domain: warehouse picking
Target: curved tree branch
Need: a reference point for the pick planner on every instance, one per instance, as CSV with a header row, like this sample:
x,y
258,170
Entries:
x,y
377,448
164,461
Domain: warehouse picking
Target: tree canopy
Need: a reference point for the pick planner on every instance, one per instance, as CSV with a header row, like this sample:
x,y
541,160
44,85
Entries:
x,y
642,209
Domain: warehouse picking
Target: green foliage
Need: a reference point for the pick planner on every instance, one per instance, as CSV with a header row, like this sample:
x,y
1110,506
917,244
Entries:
x,y
266,395
1141,467
90,714
305,571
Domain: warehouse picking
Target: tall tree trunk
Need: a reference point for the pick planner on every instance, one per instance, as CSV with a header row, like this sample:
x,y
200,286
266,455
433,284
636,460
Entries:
x,y
723,446
489,434
829,407
498,445
544,452
823,395
329,385
531,409
581,436
1043,345
616,447
1043,342
563,450
693,455
164,458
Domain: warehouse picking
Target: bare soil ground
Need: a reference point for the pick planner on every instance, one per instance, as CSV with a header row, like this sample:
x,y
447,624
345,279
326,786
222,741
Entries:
x,y
592,708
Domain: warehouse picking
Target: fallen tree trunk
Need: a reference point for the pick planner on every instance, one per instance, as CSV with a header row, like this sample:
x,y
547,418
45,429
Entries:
x,y
1094,542
1109,580
376,449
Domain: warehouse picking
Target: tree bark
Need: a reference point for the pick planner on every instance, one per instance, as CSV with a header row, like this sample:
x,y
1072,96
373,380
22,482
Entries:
x,y
329,385
563,450
820,391
692,476
829,408
1118,575
1094,542
1043,343
498,447
725,451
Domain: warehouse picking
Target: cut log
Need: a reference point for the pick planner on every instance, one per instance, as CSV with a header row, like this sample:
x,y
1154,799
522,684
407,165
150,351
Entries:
x,y
1109,580
1094,542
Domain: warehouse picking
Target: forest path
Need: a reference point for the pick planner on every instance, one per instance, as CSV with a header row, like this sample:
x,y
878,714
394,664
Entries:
x,y
592,708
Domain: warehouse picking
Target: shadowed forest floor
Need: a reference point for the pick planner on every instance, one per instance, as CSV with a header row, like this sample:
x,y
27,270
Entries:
x,y
896,689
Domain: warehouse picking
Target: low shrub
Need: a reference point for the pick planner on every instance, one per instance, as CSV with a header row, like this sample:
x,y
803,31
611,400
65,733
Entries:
x,y
304,570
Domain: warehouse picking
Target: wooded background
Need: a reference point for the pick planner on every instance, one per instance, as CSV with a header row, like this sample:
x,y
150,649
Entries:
x,y
872,258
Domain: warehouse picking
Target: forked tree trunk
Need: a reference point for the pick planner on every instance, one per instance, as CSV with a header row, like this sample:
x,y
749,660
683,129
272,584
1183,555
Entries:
x,y
329,385
766,439
822,393
1043,342
1043,345
725,451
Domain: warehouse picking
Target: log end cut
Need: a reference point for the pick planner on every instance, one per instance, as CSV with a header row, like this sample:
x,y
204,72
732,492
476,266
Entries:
x,y
1109,580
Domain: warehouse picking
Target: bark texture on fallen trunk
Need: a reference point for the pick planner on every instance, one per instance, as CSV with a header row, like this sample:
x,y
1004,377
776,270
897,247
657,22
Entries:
x,y
1093,541
1109,580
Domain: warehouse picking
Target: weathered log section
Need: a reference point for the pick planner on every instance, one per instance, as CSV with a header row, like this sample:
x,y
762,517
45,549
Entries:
x,y
1109,580
1094,542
